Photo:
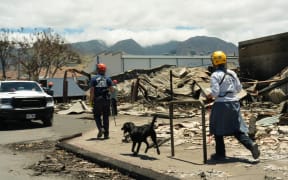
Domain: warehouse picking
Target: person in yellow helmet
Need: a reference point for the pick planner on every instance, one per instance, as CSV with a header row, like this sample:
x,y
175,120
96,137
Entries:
x,y
225,117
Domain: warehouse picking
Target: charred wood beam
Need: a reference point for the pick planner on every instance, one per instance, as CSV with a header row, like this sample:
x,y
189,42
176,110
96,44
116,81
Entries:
x,y
182,82
134,91
273,86
199,86
148,81
260,82
144,91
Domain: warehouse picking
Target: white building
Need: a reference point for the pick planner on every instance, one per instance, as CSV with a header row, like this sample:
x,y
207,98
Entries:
x,y
119,62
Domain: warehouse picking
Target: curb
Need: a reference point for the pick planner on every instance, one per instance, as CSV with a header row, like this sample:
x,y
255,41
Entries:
x,y
121,166
69,137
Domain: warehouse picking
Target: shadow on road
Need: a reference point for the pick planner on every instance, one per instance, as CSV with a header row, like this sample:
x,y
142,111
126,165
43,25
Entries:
x,y
141,156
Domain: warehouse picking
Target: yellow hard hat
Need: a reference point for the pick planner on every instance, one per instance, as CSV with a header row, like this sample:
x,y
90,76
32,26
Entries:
x,y
218,57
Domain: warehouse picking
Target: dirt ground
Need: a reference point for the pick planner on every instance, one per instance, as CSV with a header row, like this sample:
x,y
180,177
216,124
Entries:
x,y
187,163
61,163
271,166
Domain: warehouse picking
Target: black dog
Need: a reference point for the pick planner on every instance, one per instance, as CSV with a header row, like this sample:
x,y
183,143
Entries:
x,y
139,134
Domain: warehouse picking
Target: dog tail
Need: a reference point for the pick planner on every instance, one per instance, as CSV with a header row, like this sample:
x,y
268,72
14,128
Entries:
x,y
153,121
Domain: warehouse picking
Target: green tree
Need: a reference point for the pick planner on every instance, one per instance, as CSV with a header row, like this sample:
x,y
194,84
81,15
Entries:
x,y
44,51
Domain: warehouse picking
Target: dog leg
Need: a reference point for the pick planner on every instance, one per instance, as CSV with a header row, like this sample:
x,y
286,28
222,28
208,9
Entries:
x,y
154,139
147,146
158,151
133,147
138,148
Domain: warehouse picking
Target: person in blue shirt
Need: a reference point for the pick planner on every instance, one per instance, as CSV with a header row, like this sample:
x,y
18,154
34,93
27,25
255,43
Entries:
x,y
100,89
225,117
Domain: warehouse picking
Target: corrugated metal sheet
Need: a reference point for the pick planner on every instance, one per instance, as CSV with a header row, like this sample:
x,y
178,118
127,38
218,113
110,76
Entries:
x,y
73,89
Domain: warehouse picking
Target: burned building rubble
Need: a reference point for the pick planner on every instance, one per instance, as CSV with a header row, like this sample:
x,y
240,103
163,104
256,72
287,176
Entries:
x,y
153,91
264,108
146,92
263,57
264,105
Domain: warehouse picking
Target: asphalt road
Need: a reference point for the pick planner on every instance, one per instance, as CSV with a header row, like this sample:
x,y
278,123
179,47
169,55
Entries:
x,y
13,165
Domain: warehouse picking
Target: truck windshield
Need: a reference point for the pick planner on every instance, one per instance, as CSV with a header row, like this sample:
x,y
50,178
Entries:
x,y
19,86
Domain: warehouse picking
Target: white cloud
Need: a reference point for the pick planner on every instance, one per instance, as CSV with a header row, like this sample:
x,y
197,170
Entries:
x,y
149,21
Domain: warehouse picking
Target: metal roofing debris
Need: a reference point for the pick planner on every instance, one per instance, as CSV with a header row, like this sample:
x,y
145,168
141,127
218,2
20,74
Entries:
x,y
73,89
268,120
76,108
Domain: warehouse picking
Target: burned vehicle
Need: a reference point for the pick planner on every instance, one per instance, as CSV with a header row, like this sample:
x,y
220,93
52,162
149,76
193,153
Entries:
x,y
25,100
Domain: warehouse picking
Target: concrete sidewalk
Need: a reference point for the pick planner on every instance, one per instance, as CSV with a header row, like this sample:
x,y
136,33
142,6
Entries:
x,y
187,163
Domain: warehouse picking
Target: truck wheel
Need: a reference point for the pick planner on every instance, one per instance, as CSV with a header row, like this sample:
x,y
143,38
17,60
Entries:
x,y
48,121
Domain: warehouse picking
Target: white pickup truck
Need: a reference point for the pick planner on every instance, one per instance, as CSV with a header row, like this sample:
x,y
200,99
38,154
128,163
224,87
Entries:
x,y
25,100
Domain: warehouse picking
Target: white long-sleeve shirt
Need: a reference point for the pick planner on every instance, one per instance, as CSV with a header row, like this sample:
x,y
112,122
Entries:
x,y
227,90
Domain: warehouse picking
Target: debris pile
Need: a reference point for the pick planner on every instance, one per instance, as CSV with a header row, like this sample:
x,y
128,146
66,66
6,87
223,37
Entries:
x,y
264,105
63,163
151,93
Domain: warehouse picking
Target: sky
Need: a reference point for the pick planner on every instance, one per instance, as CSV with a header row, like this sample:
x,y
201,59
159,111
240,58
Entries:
x,y
148,22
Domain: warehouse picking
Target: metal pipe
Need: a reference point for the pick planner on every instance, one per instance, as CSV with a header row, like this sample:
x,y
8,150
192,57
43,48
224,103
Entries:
x,y
171,115
204,133
199,104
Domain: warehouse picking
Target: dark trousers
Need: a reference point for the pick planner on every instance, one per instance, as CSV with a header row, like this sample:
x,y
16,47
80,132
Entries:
x,y
241,137
102,108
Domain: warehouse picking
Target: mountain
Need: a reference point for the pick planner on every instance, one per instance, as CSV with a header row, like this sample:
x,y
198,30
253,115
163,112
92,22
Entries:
x,y
166,48
202,45
199,45
92,47
129,46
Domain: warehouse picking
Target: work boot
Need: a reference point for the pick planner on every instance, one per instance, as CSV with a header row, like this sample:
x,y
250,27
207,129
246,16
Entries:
x,y
255,151
106,135
100,133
